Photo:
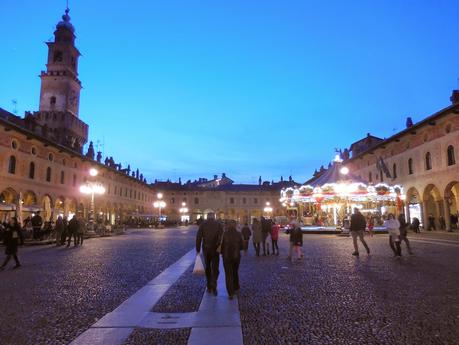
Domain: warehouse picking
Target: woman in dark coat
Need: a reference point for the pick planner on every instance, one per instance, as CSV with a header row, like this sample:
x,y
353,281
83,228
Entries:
x,y
11,240
231,253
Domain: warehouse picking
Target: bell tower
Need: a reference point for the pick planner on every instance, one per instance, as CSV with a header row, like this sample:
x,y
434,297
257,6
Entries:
x,y
60,87
58,113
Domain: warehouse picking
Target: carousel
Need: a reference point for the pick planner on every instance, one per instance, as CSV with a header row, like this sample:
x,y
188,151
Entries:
x,y
327,200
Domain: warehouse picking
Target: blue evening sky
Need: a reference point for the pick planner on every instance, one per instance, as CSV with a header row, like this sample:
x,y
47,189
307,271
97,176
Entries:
x,y
195,88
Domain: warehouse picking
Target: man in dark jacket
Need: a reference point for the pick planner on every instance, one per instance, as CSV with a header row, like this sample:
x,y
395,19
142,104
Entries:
x,y
357,229
37,223
265,231
231,253
209,236
73,229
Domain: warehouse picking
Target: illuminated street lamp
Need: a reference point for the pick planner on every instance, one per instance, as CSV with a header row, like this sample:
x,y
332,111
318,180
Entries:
x,y
268,209
92,188
159,204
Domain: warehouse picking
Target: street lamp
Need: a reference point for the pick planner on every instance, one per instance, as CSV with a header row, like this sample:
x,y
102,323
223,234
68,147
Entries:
x,y
92,188
159,204
183,211
268,209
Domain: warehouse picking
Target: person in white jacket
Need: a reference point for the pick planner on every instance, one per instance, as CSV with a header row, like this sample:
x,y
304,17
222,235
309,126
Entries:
x,y
393,228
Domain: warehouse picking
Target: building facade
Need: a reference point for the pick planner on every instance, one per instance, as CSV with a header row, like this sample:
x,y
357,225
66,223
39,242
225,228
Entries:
x,y
42,165
423,159
241,202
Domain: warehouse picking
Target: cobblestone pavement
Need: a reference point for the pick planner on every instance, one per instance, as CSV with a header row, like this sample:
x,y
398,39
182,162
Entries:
x,y
159,337
60,292
184,296
331,297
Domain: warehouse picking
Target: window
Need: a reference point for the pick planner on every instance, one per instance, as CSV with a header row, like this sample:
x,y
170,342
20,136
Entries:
x,y
172,200
410,166
428,161
48,174
32,170
74,180
231,200
52,101
394,170
12,165
184,199
370,177
196,201
62,177
14,144
58,56
451,157
255,200
34,150
244,200
50,157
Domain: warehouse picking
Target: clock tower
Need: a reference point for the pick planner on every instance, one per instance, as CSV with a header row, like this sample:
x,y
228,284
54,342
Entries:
x,y
60,89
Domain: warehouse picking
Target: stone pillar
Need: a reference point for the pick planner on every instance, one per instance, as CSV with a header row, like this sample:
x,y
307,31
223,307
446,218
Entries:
x,y
424,215
407,213
447,214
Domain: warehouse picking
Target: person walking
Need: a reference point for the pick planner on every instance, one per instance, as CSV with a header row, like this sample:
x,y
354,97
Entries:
x,y
275,237
12,237
37,223
72,230
257,235
80,231
404,232
415,225
231,254
59,229
209,238
357,229
393,228
265,231
297,241
65,224
246,233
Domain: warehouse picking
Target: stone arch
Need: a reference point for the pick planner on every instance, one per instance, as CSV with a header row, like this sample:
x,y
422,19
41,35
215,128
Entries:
x,y
8,196
432,205
29,198
452,201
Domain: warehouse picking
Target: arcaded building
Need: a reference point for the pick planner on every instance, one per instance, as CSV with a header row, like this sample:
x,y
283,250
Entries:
x,y
220,195
422,158
42,164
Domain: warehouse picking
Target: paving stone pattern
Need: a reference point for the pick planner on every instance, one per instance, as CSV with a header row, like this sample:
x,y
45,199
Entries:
x,y
184,296
61,292
331,297
158,337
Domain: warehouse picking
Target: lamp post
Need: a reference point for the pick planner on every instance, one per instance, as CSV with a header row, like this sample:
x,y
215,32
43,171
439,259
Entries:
x,y
183,211
159,204
268,209
92,188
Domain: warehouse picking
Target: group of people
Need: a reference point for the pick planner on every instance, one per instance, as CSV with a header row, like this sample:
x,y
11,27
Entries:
x,y
215,238
396,228
13,234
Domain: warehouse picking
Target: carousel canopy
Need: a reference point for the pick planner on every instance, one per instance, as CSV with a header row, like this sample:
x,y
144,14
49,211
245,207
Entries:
x,y
336,185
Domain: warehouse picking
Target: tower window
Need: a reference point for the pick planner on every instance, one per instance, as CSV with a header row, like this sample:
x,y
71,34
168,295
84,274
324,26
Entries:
x,y
12,165
48,174
32,170
58,56
451,158
410,166
52,101
428,161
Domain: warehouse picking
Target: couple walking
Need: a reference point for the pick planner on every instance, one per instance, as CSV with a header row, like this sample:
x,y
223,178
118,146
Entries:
x,y
214,241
